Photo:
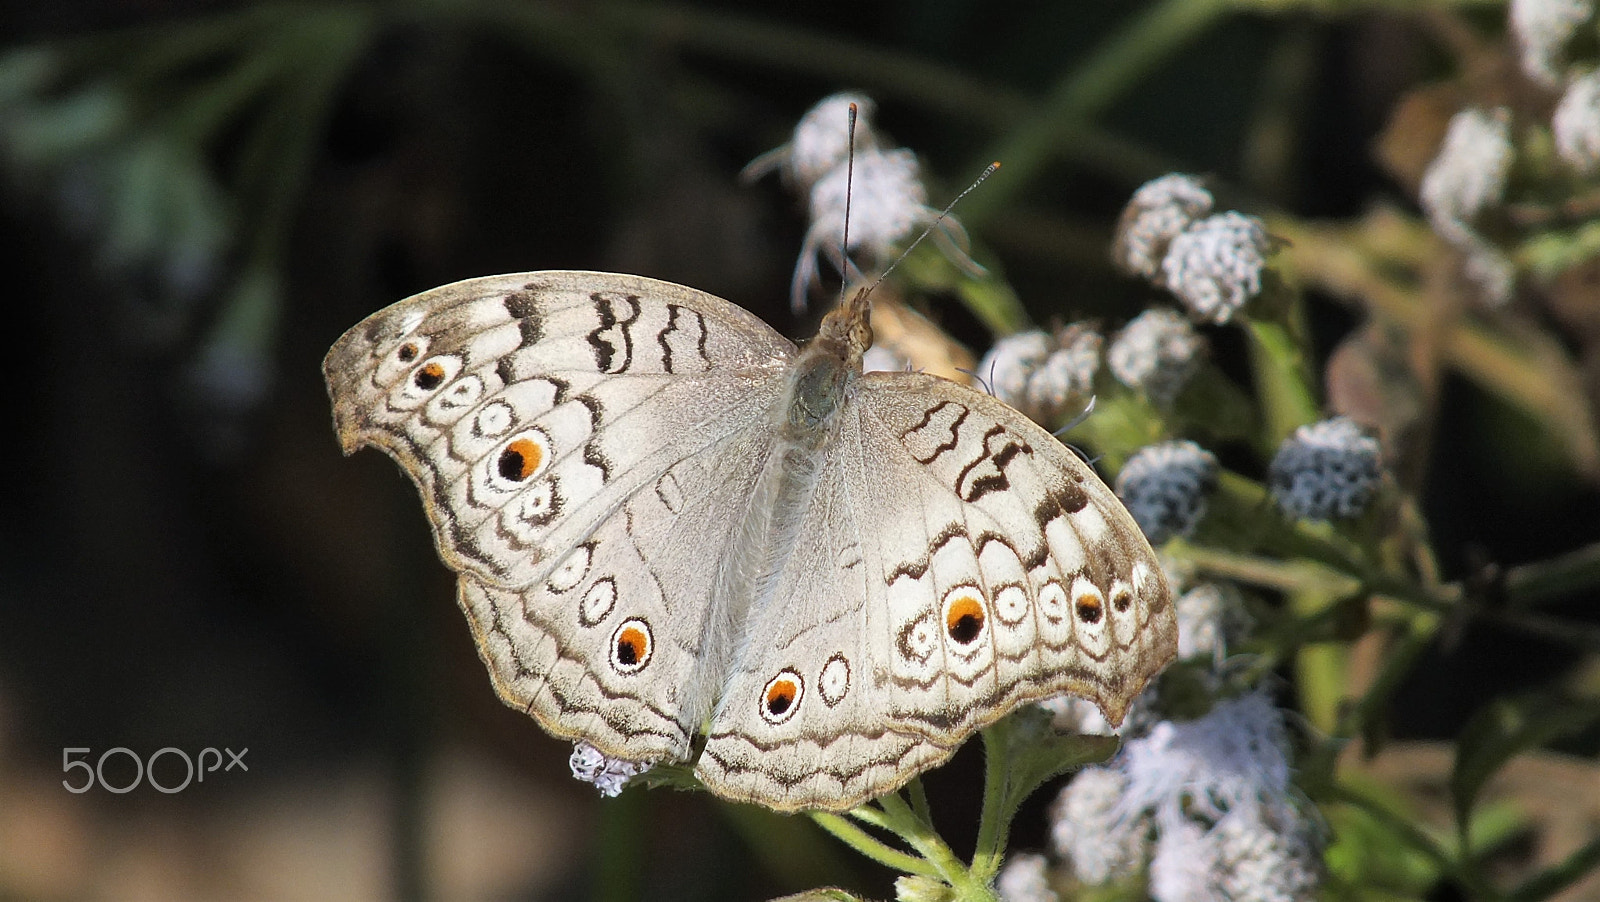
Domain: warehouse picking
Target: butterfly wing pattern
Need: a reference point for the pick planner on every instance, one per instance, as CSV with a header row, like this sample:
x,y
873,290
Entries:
x,y
957,561
669,522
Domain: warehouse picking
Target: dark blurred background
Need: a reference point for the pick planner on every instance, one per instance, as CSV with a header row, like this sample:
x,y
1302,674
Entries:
x,y
187,561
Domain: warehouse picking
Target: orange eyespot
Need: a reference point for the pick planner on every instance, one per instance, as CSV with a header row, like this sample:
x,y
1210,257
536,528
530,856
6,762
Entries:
x,y
429,377
963,619
1088,607
780,695
633,646
408,352
1120,599
520,459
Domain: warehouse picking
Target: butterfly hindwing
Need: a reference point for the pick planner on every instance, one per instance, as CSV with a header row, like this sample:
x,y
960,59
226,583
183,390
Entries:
x,y
954,561
801,722
1016,574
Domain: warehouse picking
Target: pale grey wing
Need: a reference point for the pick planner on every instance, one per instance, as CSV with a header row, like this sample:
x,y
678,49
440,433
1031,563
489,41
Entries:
x,y
527,407
1010,572
605,646
955,562
802,721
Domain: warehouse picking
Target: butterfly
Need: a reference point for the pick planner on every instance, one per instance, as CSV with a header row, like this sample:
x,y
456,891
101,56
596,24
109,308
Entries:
x,y
681,538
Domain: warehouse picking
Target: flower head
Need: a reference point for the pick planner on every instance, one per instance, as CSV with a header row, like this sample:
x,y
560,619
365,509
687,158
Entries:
x,y
1576,123
609,775
1156,214
1208,619
1165,487
1326,469
1468,175
1214,266
1090,828
885,199
1041,374
1543,28
1067,374
1012,362
1234,757
1156,353
1025,878
821,141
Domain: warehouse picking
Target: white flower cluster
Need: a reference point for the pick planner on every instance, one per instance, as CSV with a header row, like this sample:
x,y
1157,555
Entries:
x,y
882,192
1164,487
1208,802
609,775
1156,353
1543,29
1325,470
1025,878
1209,617
1576,124
1041,374
1213,264
1466,178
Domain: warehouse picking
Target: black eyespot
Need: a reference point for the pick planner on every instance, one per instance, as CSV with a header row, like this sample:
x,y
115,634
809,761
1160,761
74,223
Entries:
x,y
430,376
1088,607
408,352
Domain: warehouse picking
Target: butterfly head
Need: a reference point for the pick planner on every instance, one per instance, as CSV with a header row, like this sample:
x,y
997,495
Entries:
x,y
846,331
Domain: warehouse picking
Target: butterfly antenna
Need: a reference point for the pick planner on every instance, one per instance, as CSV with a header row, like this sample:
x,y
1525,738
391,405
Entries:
x,y
849,189
1077,420
937,221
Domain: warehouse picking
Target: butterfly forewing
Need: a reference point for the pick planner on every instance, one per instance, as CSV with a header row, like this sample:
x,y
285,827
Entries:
x,y
528,407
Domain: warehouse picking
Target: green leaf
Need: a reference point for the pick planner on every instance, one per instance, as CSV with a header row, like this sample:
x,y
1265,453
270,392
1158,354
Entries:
x,y
1506,728
1021,753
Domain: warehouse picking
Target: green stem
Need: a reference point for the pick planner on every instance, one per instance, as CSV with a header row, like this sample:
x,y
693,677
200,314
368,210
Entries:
x,y
995,823
873,848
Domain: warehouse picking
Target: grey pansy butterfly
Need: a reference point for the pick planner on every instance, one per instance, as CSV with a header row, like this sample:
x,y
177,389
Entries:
x,y
671,523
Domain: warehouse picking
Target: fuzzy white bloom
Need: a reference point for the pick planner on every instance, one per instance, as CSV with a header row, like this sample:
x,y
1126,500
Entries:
x,y
1208,619
1068,372
1215,265
1260,857
1025,878
1011,363
1325,470
1234,757
1468,175
1543,28
886,202
1164,487
1156,353
1156,214
1180,870
1576,123
821,141
1090,828
1216,793
609,775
